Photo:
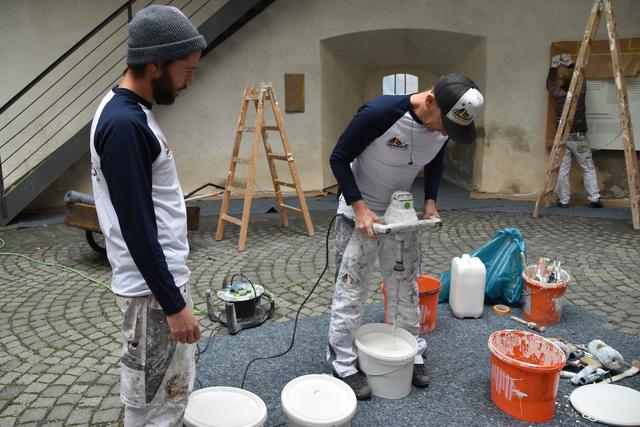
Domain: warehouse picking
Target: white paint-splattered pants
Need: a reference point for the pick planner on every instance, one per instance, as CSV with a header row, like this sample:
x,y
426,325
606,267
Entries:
x,y
355,258
578,146
157,374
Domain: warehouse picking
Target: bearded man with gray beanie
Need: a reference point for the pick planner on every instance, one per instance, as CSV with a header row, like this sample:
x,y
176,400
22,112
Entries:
x,y
142,215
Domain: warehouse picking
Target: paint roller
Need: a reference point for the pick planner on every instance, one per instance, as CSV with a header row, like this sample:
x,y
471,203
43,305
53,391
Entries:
x,y
609,357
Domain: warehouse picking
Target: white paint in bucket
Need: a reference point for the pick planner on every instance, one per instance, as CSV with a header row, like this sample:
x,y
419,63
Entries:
x,y
318,401
224,407
387,360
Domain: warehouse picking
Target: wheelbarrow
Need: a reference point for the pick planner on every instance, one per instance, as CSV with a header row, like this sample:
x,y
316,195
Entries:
x,y
81,213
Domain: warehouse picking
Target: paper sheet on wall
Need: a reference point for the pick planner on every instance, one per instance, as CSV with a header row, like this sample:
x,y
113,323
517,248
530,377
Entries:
x,y
603,118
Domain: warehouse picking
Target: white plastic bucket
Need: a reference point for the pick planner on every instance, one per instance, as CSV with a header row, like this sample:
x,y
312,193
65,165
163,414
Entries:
x,y
318,401
388,363
224,407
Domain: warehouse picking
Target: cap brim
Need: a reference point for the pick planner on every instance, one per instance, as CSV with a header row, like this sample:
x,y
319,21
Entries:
x,y
460,134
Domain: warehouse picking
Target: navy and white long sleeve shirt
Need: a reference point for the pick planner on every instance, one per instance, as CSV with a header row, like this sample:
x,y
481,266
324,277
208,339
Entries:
x,y
139,201
382,150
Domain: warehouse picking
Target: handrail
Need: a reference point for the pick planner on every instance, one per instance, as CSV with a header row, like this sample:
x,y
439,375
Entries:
x,y
41,172
127,5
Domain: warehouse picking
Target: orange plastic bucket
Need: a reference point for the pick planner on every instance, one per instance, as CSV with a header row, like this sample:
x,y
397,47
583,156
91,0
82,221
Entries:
x,y
428,291
543,301
525,371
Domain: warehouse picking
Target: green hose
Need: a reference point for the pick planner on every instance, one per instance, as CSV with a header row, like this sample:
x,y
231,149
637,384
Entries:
x,y
51,264
72,270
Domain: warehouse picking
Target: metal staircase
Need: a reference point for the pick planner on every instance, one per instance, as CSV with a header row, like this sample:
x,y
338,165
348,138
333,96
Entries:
x,y
44,128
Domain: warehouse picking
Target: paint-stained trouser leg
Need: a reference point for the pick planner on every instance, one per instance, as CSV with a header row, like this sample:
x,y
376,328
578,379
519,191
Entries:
x,y
157,374
408,306
563,188
350,295
343,230
584,159
578,146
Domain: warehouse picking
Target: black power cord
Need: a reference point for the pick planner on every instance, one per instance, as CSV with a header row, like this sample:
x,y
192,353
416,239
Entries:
x,y
198,353
208,184
295,322
255,294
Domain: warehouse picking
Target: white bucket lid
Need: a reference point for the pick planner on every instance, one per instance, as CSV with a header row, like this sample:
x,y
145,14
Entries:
x,y
318,401
224,407
611,404
376,340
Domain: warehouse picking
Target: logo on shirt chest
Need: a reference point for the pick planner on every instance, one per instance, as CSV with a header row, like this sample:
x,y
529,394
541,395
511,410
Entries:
x,y
396,144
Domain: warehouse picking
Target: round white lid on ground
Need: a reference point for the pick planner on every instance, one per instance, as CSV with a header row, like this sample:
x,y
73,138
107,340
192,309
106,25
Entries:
x,y
224,407
318,400
608,403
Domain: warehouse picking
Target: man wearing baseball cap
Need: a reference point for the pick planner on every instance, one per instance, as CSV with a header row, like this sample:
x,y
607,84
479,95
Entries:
x,y
142,215
386,144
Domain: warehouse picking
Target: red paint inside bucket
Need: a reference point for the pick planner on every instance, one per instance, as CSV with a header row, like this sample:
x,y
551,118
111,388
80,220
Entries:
x,y
524,374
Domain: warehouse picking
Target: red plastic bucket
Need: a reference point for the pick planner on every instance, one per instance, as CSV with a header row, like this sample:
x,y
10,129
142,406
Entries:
x,y
525,370
543,301
428,292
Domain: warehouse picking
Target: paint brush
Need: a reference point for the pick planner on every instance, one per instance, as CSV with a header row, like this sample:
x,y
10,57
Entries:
x,y
531,325
539,267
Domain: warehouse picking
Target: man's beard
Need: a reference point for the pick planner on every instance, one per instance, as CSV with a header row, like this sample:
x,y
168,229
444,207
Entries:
x,y
164,92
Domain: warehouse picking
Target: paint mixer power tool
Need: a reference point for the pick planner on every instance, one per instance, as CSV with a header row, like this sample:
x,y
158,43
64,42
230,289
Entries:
x,y
401,220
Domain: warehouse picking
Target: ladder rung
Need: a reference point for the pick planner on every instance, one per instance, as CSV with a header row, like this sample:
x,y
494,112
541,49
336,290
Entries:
x,y
291,208
242,161
231,219
281,157
247,129
252,98
271,127
286,184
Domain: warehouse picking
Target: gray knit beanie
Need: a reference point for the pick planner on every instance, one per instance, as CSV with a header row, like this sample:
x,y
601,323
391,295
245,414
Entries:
x,y
161,33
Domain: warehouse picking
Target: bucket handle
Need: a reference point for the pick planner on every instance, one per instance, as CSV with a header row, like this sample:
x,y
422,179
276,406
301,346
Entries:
x,y
427,293
387,373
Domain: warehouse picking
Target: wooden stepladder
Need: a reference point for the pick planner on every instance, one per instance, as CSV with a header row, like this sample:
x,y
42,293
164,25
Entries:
x,y
259,96
568,112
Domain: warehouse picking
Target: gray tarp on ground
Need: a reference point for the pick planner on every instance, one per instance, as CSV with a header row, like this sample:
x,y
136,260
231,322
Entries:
x,y
458,359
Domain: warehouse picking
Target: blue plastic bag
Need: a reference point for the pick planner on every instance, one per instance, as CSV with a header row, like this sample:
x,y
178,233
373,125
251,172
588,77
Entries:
x,y
501,257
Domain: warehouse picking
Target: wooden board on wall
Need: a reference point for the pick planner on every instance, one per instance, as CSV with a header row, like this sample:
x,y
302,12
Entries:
x,y
599,67
294,93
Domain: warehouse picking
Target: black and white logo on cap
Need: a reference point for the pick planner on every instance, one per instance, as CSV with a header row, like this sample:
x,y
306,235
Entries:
x,y
466,109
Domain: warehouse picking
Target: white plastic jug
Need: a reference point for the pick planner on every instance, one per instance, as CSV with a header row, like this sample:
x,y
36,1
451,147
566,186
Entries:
x,y
468,281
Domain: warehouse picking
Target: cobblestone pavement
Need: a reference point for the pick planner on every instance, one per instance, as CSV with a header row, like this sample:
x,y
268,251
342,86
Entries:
x,y
59,341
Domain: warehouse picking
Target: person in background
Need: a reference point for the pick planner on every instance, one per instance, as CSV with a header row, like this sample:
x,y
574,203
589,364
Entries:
x,y
578,145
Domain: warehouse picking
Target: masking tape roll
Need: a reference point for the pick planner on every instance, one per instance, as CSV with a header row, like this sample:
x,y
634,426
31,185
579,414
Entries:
x,y
501,309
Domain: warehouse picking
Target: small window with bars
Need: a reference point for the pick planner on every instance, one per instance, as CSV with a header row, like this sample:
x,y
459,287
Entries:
x,y
399,84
